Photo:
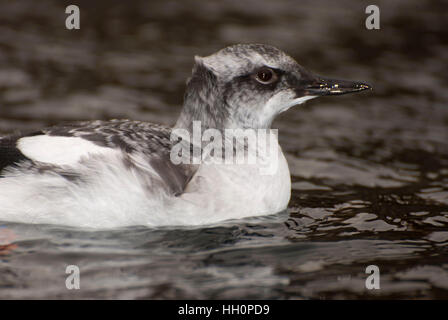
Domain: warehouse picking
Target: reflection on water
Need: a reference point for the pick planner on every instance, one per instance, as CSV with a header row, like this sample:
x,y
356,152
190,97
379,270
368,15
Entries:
x,y
370,172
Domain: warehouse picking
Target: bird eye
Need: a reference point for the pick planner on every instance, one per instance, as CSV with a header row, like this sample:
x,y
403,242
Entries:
x,y
266,76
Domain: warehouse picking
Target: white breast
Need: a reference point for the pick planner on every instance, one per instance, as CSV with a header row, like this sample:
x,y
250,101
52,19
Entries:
x,y
218,192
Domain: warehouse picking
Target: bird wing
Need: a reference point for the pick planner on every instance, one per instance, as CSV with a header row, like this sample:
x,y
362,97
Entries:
x,y
143,146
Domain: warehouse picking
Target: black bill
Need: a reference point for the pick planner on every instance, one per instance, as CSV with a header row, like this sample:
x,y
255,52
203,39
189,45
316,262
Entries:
x,y
323,87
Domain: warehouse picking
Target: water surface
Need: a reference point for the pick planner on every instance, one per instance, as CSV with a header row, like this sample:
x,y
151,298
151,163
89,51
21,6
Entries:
x,y
369,171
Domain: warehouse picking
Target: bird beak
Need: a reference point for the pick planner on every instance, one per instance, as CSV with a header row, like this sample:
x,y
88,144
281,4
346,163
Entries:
x,y
323,87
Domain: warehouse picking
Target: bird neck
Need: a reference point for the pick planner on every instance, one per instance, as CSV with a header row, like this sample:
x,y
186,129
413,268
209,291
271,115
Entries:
x,y
203,101
204,113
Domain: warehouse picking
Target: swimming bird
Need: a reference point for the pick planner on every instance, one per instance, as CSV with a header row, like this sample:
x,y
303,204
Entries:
x,y
107,174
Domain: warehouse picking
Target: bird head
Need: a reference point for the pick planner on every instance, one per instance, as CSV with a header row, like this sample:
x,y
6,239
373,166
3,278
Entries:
x,y
248,85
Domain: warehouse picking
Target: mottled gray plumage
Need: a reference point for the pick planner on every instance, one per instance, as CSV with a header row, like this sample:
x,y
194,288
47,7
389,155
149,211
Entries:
x,y
221,92
128,135
132,137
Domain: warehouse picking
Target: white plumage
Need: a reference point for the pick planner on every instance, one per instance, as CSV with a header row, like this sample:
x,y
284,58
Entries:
x,y
60,151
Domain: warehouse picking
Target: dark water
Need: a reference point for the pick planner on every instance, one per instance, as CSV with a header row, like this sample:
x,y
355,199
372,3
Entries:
x,y
370,171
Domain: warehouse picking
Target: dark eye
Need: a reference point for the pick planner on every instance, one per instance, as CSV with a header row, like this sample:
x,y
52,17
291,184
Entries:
x,y
266,76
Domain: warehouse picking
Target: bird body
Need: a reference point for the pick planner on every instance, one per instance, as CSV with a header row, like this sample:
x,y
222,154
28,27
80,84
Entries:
x,y
76,180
